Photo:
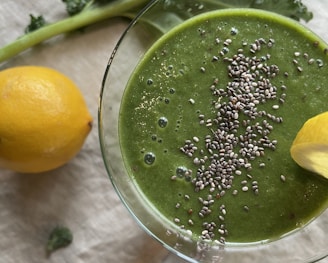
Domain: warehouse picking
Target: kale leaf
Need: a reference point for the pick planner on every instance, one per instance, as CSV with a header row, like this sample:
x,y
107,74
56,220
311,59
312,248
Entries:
x,y
59,237
36,22
294,9
74,7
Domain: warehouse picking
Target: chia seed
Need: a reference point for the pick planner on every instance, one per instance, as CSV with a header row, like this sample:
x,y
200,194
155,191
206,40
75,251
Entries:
x,y
263,164
215,58
176,220
320,63
311,61
244,188
275,107
191,101
282,178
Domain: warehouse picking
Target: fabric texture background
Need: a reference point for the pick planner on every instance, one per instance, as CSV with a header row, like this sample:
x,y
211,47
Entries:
x,y
78,195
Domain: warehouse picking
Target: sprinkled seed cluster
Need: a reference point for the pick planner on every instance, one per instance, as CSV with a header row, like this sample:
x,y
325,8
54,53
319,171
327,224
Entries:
x,y
309,60
239,133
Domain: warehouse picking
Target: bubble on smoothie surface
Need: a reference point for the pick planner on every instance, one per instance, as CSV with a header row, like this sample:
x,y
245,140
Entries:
x,y
162,122
149,158
181,171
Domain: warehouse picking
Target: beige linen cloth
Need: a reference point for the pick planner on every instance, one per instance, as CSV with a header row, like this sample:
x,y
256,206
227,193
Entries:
x,y
78,195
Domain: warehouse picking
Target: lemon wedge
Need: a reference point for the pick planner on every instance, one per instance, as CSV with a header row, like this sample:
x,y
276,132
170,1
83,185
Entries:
x,y
310,147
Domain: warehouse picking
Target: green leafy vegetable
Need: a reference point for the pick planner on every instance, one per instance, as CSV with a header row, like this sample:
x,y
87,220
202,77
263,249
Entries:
x,y
75,6
59,237
292,8
86,12
35,23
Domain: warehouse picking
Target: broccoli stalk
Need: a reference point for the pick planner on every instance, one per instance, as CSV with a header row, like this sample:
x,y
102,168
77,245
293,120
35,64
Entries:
x,y
82,19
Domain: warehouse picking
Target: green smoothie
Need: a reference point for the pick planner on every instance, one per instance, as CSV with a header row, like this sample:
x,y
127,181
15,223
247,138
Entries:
x,y
207,120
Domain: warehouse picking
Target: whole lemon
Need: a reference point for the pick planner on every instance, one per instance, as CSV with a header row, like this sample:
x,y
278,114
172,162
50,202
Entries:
x,y
44,119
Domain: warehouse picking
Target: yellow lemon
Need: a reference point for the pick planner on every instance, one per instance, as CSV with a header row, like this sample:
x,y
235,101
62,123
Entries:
x,y
44,119
310,147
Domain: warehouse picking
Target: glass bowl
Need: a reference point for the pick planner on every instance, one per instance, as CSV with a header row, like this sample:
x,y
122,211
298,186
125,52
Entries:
x,y
306,245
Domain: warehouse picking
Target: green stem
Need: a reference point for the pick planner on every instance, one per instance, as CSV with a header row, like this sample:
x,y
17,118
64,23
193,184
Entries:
x,y
69,24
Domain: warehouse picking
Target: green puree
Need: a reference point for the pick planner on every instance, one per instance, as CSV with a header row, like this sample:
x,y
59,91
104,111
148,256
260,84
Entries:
x,y
208,118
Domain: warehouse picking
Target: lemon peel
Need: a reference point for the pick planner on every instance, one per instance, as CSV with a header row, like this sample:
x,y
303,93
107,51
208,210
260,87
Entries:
x,y
310,146
44,119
